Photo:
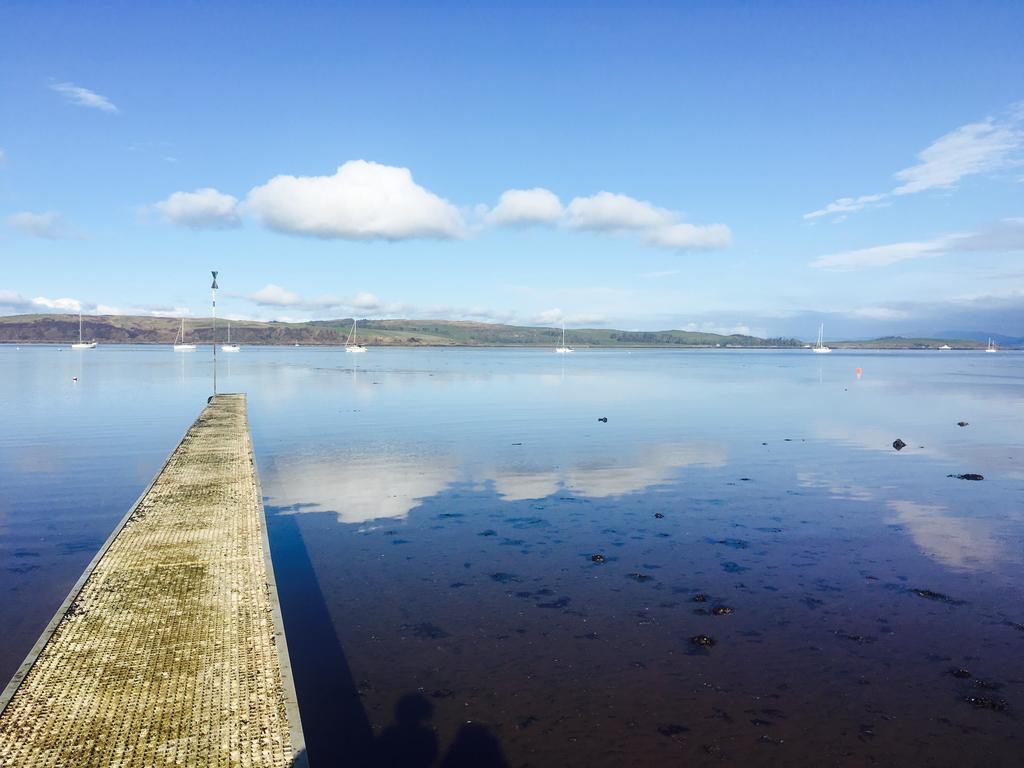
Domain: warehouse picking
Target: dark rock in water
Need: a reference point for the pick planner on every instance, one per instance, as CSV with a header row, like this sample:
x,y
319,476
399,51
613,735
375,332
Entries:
x,y
659,515
898,444
597,558
988,685
936,596
603,419
963,674
731,567
425,629
734,543
442,693
968,476
700,598
641,577
704,641
983,702
961,423
488,532
721,610
671,729
504,578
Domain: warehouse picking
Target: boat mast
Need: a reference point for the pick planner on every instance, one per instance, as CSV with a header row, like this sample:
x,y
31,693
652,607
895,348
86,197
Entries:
x,y
213,308
80,328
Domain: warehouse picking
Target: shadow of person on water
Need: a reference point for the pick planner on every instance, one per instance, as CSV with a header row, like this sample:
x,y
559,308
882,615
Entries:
x,y
409,742
474,747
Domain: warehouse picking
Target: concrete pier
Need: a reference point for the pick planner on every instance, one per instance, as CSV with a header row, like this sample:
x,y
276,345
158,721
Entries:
x,y
170,650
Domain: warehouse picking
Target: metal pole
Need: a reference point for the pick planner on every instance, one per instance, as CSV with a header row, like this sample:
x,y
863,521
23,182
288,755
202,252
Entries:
x,y
213,301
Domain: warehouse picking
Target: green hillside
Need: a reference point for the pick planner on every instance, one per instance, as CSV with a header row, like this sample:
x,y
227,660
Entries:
x,y
125,329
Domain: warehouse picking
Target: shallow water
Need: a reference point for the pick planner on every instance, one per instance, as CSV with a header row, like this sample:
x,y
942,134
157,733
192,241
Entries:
x,y
433,516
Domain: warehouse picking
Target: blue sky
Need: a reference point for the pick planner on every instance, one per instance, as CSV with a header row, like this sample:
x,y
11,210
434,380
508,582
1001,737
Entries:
x,y
721,166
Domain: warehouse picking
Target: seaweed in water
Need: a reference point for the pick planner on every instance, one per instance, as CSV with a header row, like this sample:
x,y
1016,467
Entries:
x,y
731,567
936,596
983,702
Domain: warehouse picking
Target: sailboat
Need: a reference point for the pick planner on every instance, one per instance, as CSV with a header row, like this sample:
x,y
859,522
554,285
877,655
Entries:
x,y
179,340
563,350
351,345
820,346
82,344
229,347
991,347
945,347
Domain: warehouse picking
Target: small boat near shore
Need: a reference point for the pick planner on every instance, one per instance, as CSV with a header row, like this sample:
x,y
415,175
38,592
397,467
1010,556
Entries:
x,y
820,347
991,347
81,344
352,345
563,350
229,347
180,345
945,347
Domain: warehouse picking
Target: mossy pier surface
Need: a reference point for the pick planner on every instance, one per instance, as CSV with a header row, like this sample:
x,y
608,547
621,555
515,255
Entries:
x,y
170,650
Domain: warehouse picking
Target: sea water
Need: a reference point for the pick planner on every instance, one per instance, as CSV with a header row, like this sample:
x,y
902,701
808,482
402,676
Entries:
x,y
475,567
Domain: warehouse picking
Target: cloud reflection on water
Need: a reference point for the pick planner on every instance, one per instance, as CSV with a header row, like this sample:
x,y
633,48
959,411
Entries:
x,y
359,489
960,543
386,485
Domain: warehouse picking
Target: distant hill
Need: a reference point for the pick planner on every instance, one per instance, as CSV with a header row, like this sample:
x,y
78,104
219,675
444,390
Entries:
x,y
998,338
127,329
900,342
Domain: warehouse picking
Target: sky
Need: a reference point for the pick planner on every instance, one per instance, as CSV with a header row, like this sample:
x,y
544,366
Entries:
x,y
732,167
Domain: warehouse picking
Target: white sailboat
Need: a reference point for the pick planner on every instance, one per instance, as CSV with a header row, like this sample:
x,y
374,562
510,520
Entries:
x,y
351,345
945,347
563,350
820,346
82,344
229,347
179,340
991,347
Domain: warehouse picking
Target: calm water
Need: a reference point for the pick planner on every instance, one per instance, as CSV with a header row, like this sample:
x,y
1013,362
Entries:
x,y
433,516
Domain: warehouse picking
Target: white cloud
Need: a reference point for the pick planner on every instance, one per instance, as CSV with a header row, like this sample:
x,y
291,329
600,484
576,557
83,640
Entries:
x,y
608,212
691,236
205,208
275,296
971,149
361,201
1006,236
556,316
13,302
45,224
527,206
880,313
846,205
83,97
67,305
365,200
878,256
365,300
990,145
